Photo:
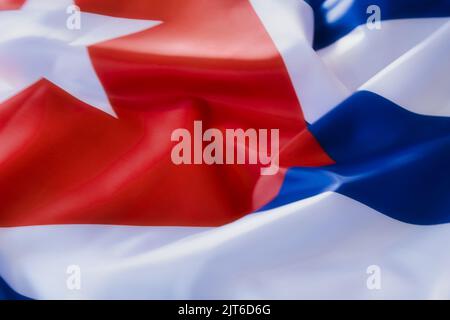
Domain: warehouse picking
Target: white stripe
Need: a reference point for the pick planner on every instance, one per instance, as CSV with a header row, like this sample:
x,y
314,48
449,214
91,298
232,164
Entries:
x,y
315,248
362,53
290,24
419,79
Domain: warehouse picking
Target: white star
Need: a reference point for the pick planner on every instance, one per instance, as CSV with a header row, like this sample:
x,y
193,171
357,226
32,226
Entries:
x,y
35,43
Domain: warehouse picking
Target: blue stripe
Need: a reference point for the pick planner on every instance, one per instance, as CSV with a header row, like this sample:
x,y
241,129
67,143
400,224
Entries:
x,y
348,14
388,158
6,293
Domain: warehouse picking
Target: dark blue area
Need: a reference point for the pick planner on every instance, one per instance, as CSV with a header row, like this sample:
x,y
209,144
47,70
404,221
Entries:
x,y
388,158
6,293
327,32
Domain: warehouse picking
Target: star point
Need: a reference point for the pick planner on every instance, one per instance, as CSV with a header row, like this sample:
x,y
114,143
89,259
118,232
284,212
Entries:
x,y
35,43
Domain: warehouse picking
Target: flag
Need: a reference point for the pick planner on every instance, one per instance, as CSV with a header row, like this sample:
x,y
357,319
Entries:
x,y
93,205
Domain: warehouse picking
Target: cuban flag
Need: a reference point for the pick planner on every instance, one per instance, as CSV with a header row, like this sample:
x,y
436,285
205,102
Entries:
x,y
93,207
